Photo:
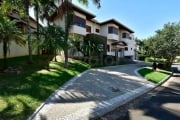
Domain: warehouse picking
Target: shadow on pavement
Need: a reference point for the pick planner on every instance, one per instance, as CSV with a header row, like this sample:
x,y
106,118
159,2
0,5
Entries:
x,y
164,104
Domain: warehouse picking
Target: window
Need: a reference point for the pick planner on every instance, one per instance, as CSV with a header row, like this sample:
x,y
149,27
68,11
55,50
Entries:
x,y
97,30
112,30
126,48
126,35
88,28
108,48
79,21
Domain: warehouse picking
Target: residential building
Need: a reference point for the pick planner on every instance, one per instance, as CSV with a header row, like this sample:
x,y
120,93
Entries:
x,y
16,50
119,38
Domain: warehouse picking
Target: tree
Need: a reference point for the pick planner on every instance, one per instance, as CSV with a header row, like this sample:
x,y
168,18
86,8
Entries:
x,y
9,32
66,10
169,42
54,39
165,43
37,4
26,6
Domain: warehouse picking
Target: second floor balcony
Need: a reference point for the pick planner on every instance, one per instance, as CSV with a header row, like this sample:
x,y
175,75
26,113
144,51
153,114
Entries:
x,y
112,36
126,36
79,25
113,33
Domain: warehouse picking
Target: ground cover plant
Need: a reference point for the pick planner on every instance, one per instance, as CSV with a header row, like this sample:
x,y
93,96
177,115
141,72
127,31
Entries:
x,y
154,76
22,92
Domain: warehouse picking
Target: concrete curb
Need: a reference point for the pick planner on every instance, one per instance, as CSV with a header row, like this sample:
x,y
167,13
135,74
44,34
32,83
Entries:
x,y
110,105
107,105
60,90
54,95
156,85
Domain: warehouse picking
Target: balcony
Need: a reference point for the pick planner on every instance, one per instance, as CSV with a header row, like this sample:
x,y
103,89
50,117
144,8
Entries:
x,y
126,37
112,36
79,25
112,33
78,30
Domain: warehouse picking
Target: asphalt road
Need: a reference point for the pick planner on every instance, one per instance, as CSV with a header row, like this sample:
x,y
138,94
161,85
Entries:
x,y
162,103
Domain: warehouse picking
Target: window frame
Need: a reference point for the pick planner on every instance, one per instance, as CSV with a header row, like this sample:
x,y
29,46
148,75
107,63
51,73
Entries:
x,y
112,30
78,21
88,28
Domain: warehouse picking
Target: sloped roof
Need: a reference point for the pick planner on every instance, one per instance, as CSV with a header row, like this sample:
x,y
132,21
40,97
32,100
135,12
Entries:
x,y
78,9
117,23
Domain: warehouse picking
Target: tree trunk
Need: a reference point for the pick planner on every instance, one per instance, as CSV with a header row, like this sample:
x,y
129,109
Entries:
x,y
66,58
66,37
55,53
37,24
29,35
5,53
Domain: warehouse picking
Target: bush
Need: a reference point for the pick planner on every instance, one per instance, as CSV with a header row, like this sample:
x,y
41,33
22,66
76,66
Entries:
x,y
161,65
95,61
177,60
109,60
149,59
158,60
142,58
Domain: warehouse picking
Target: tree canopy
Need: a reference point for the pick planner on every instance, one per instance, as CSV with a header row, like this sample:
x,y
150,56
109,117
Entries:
x,y
165,43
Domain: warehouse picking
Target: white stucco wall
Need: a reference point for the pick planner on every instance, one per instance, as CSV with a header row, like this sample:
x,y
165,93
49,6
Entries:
x,y
104,30
80,15
130,44
94,26
15,50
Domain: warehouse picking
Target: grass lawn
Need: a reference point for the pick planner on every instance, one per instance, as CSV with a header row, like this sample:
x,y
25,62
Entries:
x,y
154,76
21,94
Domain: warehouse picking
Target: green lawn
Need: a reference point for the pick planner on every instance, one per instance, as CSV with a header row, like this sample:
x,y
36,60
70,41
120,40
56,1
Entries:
x,y
154,76
21,94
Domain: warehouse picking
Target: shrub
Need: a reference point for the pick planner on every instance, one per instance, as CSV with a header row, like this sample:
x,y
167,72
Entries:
x,y
142,58
149,59
177,60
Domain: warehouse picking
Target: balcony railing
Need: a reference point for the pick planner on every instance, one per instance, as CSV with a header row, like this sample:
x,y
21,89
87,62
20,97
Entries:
x,y
78,30
112,36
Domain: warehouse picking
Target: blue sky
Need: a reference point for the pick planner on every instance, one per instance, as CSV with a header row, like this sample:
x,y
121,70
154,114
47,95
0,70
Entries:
x,y
142,16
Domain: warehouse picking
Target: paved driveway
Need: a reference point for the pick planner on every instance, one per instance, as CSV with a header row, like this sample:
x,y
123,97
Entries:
x,y
164,103
94,93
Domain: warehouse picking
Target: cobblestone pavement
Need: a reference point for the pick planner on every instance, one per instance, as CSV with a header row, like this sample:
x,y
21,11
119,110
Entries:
x,y
94,93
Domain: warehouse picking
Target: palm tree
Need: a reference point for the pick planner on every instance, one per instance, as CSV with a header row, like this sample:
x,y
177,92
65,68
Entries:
x,y
96,2
65,10
9,33
37,4
54,39
26,6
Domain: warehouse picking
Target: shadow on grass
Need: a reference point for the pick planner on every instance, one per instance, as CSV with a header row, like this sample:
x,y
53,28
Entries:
x,y
21,94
